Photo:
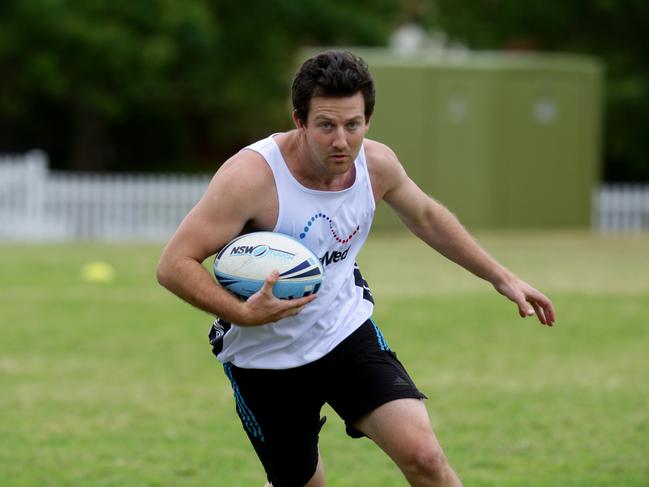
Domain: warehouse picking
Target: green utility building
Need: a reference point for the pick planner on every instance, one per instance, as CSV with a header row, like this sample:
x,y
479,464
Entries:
x,y
503,140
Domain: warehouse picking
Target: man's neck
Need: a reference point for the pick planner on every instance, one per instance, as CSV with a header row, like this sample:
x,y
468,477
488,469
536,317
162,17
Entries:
x,y
307,172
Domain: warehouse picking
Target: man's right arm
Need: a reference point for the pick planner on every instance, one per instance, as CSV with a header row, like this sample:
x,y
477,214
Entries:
x,y
236,196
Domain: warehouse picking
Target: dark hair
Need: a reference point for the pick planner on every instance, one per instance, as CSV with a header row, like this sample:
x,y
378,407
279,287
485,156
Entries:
x,y
335,74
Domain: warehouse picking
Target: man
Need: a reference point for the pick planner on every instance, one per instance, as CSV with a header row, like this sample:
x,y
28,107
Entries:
x,y
320,183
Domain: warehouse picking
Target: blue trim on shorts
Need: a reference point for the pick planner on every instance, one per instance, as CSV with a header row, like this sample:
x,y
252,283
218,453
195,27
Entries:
x,y
246,415
383,345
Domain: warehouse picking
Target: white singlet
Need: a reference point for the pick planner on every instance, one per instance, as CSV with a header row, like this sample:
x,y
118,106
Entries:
x,y
334,225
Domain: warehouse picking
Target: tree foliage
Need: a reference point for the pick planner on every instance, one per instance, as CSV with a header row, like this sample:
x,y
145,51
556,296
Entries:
x,y
167,84
159,84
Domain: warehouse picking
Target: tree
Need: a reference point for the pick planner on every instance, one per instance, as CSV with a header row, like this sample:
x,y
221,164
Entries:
x,y
159,84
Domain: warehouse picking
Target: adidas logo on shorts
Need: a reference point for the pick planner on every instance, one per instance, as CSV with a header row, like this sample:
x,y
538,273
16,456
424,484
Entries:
x,y
400,381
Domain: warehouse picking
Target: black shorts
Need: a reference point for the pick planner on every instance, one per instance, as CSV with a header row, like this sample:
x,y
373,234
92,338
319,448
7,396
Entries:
x,y
280,409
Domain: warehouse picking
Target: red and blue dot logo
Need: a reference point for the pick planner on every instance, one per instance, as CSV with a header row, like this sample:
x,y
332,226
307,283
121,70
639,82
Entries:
x,y
340,239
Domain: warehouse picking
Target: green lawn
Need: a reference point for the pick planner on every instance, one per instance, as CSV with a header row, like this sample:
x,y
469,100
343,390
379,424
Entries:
x,y
114,384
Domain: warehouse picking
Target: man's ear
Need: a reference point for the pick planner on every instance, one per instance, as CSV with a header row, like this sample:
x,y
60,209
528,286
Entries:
x,y
367,123
299,123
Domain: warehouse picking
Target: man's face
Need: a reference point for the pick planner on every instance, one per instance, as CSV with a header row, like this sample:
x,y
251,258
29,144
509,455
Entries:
x,y
334,132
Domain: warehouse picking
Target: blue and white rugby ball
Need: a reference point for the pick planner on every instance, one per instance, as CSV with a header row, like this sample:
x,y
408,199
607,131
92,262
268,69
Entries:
x,y
244,263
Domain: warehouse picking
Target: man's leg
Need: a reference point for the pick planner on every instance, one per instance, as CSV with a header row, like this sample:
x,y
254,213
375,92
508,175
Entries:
x,y
318,477
402,429
279,410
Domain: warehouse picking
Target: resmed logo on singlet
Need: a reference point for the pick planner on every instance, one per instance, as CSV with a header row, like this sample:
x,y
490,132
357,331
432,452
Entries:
x,y
334,256
331,256
338,238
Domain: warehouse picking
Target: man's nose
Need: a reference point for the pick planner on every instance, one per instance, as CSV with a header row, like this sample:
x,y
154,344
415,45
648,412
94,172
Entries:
x,y
340,141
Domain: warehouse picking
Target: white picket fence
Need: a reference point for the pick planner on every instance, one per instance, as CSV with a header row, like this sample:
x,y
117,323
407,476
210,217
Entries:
x,y
41,205
37,204
621,208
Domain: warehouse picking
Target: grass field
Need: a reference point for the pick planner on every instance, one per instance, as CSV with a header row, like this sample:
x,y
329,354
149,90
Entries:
x,y
114,385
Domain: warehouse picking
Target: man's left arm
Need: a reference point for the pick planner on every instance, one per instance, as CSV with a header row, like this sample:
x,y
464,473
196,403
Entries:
x,y
438,227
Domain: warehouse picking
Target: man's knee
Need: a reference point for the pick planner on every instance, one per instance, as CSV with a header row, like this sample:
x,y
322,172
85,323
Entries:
x,y
426,461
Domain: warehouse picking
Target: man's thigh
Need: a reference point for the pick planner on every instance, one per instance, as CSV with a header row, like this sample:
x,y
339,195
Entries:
x,y
399,427
280,412
367,375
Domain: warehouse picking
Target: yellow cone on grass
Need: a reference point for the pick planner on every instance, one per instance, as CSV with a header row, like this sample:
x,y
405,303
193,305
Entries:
x,y
97,271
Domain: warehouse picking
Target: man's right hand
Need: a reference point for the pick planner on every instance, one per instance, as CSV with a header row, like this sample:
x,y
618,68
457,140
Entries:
x,y
263,307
